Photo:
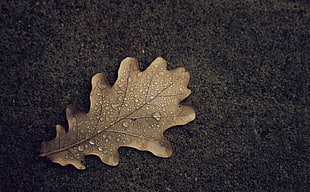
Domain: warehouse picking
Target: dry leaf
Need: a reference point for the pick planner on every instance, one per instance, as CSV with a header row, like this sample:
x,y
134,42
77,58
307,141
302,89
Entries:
x,y
134,112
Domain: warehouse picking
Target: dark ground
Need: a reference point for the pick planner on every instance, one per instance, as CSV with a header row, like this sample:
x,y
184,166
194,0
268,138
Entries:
x,y
249,65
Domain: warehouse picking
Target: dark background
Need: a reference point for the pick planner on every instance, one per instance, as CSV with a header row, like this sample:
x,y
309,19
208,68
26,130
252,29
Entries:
x,y
249,66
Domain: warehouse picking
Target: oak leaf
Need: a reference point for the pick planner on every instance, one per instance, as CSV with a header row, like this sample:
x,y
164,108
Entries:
x,y
134,112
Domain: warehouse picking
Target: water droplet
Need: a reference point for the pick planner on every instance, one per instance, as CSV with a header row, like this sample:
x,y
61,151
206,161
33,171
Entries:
x,y
100,149
117,139
81,148
120,99
101,119
129,79
114,106
181,90
139,74
102,85
92,142
156,116
125,124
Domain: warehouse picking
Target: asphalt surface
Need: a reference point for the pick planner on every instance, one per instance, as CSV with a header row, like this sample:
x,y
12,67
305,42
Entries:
x,y
249,66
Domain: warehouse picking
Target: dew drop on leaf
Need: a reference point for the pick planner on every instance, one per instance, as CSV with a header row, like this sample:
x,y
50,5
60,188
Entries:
x,y
81,148
100,149
139,74
156,115
125,124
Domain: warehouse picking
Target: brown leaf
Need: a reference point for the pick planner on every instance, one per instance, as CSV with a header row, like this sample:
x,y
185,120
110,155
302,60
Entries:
x,y
134,112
